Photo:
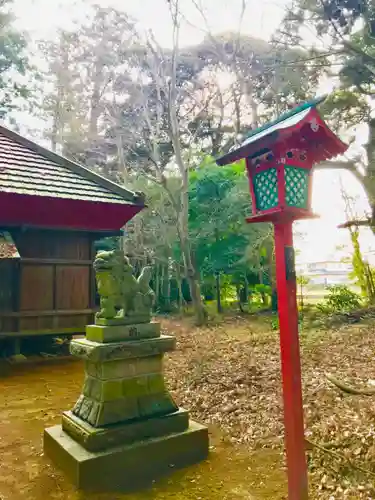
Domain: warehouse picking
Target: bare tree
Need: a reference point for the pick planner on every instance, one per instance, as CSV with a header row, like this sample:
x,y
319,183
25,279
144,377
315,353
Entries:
x,y
62,83
152,128
183,167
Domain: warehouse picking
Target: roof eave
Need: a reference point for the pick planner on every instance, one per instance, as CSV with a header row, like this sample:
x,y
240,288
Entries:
x,y
248,150
288,114
133,197
266,141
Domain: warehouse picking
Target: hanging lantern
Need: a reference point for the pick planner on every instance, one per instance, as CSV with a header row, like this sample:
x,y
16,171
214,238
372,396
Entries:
x,y
280,157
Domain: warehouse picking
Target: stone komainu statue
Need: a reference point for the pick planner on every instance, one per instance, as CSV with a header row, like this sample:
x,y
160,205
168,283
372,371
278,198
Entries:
x,y
122,296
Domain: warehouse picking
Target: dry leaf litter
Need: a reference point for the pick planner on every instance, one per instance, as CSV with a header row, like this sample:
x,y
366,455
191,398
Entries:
x,y
229,375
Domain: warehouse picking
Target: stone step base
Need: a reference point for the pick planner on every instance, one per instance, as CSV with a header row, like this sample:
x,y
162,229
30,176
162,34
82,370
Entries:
x,y
127,349
105,334
127,467
99,438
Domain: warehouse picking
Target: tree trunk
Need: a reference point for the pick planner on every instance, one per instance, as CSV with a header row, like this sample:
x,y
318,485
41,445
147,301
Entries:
x,y
169,292
183,167
302,298
63,86
157,286
191,275
183,233
122,167
166,288
261,281
239,301
274,300
217,277
181,300
371,284
371,279
218,293
95,101
249,93
368,180
55,125
246,292
195,289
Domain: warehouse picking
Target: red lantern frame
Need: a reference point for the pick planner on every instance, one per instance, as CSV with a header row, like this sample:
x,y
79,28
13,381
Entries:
x,y
302,129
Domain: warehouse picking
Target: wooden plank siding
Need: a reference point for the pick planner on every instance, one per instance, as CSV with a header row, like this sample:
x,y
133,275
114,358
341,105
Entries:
x,y
36,287
56,283
72,287
41,244
9,270
6,284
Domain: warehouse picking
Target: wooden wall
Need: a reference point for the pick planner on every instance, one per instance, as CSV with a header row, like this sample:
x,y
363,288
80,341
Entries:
x,y
9,271
56,284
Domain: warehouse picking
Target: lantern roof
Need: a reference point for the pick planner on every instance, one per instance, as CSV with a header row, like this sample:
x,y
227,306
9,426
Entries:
x,y
285,127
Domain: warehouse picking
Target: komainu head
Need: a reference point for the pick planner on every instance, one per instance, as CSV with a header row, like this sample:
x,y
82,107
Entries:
x,y
108,259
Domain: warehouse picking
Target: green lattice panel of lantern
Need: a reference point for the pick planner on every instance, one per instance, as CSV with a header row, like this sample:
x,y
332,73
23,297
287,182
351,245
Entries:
x,y
265,187
296,186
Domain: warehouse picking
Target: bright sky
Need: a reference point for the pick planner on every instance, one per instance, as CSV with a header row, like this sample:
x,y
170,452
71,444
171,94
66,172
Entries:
x,y
41,18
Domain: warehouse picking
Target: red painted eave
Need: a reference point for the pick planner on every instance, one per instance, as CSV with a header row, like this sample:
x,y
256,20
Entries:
x,y
43,211
327,144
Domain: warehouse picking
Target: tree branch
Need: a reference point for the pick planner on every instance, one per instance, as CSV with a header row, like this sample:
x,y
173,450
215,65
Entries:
x,y
348,45
357,223
350,166
339,457
348,389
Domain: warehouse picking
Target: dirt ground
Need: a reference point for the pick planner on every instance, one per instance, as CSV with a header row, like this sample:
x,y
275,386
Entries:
x,y
33,397
228,376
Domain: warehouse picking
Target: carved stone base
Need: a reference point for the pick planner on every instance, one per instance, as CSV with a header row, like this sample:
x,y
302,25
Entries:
x,y
124,380
125,426
124,409
125,467
99,438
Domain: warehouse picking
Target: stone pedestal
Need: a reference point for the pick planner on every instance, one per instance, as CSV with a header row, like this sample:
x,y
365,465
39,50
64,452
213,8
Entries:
x,y
125,429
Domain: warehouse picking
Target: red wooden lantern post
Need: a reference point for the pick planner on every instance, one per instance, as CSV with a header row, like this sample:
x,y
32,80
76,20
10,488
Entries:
x,y
279,160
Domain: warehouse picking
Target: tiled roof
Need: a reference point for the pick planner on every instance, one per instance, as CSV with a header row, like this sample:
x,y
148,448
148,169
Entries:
x,y
29,169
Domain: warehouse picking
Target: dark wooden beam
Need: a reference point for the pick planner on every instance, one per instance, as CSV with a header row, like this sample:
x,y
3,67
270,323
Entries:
x,y
97,234
52,312
56,262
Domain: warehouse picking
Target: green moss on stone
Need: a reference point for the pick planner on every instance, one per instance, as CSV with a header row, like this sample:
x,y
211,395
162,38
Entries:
x,y
111,389
151,364
156,404
135,387
119,410
156,383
